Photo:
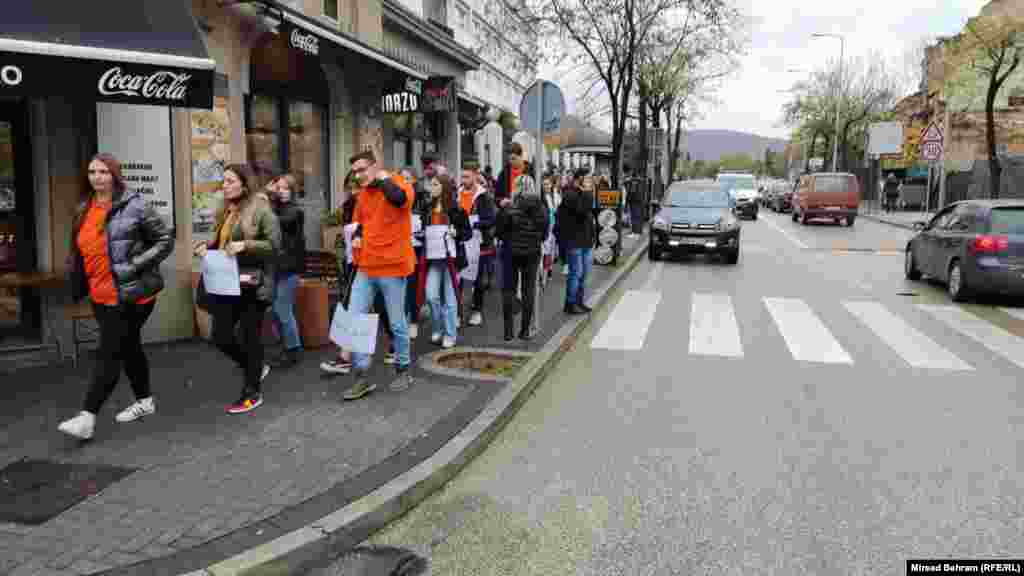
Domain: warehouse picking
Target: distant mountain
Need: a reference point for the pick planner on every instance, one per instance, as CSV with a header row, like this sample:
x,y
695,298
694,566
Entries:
x,y
710,145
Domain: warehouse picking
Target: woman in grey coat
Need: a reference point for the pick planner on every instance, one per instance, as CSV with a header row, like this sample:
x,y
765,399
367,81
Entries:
x,y
117,245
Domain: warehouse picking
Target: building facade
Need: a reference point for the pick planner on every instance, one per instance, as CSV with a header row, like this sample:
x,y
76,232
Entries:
x,y
292,86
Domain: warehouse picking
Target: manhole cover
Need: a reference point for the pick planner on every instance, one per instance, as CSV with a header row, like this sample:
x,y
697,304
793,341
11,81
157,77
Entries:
x,y
375,561
34,491
477,363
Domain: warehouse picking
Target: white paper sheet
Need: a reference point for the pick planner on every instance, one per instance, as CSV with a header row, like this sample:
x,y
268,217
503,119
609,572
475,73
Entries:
x,y
348,231
472,268
339,333
417,227
220,274
440,244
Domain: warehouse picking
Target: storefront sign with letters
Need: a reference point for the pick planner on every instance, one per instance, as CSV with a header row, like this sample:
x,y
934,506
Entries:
x,y
403,100
37,75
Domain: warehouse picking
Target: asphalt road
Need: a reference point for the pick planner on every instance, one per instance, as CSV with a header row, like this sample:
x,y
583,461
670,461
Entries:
x,y
793,414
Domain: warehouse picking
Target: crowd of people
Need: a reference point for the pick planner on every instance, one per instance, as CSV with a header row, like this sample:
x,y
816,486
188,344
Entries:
x,y
513,230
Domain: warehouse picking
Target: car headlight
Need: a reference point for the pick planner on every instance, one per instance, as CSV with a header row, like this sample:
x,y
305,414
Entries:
x,y
659,224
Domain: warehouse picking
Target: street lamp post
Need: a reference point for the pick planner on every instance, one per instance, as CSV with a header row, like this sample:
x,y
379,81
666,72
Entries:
x,y
839,83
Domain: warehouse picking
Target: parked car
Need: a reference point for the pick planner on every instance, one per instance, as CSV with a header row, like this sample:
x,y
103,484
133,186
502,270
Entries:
x,y
973,246
784,201
746,203
827,195
695,216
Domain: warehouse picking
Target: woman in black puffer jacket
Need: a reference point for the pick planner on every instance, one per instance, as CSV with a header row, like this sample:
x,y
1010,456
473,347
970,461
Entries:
x,y
117,245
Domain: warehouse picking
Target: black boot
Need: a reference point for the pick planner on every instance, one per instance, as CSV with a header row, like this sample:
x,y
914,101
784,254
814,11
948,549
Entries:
x,y
510,331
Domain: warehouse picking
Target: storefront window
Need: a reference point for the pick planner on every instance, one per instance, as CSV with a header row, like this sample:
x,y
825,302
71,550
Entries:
x,y
302,150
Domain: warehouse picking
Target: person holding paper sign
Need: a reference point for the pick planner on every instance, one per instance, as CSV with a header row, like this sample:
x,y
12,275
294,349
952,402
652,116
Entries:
x,y
117,244
247,229
384,259
442,272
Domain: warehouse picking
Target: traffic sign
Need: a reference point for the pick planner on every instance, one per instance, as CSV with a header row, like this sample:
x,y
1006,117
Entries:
x,y
932,134
931,151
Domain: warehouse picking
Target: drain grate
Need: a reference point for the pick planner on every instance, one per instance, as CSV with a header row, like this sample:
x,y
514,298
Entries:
x,y
375,561
34,491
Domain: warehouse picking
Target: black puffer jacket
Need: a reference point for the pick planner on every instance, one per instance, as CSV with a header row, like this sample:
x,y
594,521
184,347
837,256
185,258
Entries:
x,y
523,225
293,238
576,219
137,242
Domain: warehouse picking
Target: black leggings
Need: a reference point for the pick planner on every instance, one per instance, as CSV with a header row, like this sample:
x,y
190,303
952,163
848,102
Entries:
x,y
120,345
518,272
247,312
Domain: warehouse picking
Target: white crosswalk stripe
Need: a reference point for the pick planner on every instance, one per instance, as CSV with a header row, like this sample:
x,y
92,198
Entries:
x,y
713,327
914,347
806,336
626,327
989,335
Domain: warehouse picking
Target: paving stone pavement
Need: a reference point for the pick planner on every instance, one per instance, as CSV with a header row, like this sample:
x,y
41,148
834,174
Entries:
x,y
202,474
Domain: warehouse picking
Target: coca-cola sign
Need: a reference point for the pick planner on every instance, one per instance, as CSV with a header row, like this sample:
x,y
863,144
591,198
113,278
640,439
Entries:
x,y
308,43
160,85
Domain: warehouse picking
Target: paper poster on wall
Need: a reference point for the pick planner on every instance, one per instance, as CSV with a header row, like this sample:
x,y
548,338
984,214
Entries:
x,y
210,151
139,136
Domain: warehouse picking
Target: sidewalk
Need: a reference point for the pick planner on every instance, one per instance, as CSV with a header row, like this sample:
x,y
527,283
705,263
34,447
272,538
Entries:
x,y
196,485
899,219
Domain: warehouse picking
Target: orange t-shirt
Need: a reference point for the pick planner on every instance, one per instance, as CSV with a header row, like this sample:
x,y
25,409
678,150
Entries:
x,y
386,250
92,243
512,185
466,200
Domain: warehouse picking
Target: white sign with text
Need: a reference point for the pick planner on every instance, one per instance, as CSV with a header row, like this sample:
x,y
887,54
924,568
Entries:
x,y
140,138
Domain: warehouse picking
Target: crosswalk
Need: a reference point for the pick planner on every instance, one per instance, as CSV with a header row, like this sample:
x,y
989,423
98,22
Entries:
x,y
715,329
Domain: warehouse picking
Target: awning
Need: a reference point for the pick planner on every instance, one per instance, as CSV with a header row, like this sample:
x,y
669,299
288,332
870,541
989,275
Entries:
x,y
128,51
293,19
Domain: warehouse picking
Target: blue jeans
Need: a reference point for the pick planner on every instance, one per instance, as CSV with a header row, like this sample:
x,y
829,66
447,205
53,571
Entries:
x,y
442,315
364,290
284,310
580,264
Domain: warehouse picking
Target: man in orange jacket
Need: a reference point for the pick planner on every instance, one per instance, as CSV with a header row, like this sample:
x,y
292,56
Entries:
x,y
384,256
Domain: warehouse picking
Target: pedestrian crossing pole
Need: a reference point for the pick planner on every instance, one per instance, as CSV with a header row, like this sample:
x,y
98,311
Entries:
x,y
538,158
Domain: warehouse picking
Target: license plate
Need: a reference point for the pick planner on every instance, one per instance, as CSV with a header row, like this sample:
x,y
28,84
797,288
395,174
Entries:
x,y
834,208
695,241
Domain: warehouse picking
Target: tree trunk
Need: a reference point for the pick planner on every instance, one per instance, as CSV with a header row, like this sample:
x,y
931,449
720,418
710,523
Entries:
x,y
994,168
668,142
641,165
844,151
678,134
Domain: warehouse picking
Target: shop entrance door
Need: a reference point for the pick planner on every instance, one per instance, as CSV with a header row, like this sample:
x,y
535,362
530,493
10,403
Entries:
x,y
19,307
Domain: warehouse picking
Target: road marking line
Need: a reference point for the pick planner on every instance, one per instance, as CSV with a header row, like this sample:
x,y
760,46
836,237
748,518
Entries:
x,y
713,327
989,335
914,347
627,325
1017,313
806,336
653,277
787,234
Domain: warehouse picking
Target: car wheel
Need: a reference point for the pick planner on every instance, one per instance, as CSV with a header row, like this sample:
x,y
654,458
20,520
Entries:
x,y
731,256
910,266
792,215
754,217
956,285
850,220
652,253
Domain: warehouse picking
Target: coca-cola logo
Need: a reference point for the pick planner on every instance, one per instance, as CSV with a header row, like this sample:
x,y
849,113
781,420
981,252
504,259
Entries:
x,y
161,85
308,43
10,75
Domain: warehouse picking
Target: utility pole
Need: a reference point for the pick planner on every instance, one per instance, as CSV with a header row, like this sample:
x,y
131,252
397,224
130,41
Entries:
x,y
839,85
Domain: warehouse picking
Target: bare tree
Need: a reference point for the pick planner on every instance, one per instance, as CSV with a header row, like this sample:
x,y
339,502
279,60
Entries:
x,y
606,36
986,53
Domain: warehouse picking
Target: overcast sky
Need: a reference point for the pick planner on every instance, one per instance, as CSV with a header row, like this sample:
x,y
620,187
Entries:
x,y
780,39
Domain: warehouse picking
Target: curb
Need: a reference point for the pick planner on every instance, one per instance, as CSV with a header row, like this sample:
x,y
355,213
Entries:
x,y
887,221
343,529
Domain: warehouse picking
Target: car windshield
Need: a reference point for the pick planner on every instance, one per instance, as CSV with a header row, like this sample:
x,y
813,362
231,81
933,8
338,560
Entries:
x,y
832,183
730,182
698,198
1008,220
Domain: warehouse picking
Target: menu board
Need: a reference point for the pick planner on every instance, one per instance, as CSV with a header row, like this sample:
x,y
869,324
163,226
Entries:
x,y
210,151
609,227
139,136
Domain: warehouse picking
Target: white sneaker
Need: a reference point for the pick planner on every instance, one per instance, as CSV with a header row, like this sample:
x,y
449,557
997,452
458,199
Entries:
x,y
141,408
266,370
435,338
80,426
448,342
476,319
414,331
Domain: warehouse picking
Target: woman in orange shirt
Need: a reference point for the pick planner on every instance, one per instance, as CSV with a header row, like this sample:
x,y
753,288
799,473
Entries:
x,y
117,245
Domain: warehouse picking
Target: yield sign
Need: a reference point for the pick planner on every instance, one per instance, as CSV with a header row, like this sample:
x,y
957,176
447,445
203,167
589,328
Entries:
x,y
932,134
